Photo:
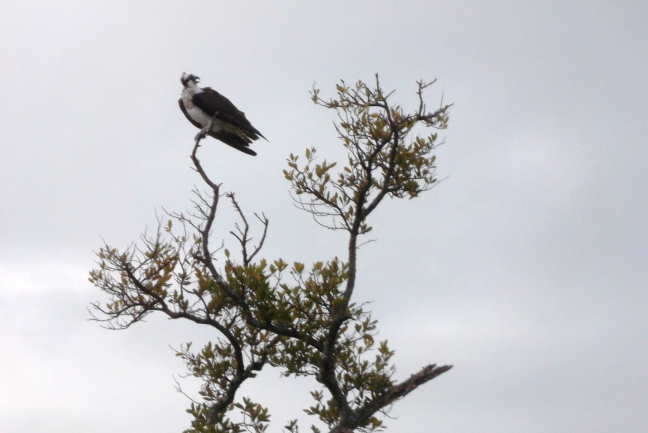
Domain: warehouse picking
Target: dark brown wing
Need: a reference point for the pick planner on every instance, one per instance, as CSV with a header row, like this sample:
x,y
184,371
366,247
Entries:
x,y
226,137
233,140
212,102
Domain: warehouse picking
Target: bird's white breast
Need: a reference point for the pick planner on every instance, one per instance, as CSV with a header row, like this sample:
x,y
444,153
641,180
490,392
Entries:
x,y
194,112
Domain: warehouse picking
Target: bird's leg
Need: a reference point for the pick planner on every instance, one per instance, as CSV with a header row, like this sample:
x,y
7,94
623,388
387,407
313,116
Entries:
x,y
203,132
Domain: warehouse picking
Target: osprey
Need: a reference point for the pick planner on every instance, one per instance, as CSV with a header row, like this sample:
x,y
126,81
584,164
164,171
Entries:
x,y
215,115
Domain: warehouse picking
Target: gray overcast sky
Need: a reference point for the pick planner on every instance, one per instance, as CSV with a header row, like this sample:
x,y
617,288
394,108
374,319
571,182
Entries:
x,y
525,268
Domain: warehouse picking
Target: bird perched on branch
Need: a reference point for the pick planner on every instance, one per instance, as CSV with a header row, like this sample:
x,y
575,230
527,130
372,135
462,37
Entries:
x,y
216,116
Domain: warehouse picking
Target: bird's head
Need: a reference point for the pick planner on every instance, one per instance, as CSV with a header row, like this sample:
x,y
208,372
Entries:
x,y
189,80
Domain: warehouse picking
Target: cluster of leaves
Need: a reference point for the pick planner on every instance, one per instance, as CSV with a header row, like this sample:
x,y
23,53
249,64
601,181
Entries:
x,y
253,418
300,320
167,273
263,317
382,159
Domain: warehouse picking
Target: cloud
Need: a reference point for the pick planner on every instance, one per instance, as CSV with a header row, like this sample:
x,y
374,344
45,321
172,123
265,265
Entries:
x,y
525,267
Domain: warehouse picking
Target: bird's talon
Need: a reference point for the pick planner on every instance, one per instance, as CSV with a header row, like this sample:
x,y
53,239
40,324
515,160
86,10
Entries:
x,y
202,134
